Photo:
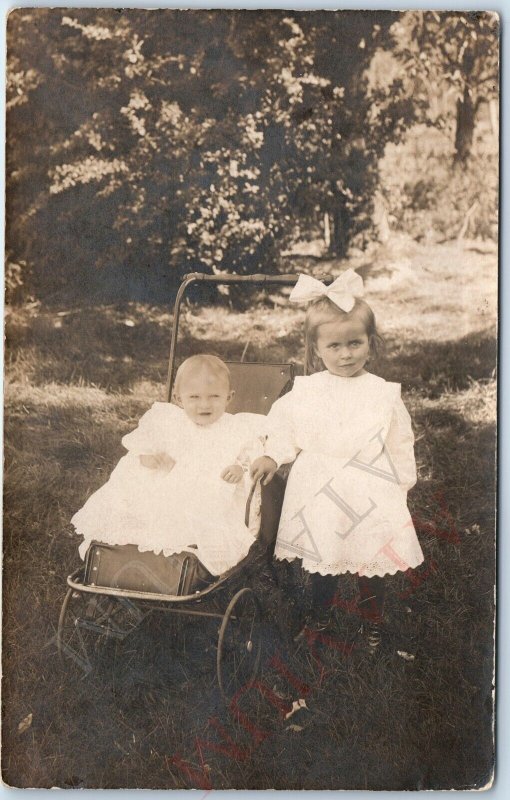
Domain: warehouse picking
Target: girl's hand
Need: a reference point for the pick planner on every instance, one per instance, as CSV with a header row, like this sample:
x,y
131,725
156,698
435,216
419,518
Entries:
x,y
263,467
158,461
232,474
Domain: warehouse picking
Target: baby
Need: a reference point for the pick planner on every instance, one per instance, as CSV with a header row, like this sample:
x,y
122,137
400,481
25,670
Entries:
x,y
184,482
202,390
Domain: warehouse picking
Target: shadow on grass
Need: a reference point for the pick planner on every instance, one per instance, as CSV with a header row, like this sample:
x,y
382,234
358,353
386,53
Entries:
x,y
457,458
434,367
385,723
113,349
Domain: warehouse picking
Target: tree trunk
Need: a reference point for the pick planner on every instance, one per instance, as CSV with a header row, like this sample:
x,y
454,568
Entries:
x,y
327,231
341,225
465,127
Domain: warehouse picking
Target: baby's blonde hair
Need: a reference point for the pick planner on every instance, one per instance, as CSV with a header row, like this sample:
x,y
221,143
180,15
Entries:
x,y
202,362
325,310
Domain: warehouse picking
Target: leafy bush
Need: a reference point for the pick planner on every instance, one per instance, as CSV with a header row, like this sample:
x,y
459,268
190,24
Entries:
x,y
145,144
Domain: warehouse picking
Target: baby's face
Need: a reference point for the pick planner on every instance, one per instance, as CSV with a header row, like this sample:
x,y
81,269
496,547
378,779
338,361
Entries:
x,y
204,397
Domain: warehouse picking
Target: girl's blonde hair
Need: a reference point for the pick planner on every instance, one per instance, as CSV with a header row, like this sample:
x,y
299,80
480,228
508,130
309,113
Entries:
x,y
325,310
212,364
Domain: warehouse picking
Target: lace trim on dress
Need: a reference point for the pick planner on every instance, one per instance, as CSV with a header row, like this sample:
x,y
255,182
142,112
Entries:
x,y
340,568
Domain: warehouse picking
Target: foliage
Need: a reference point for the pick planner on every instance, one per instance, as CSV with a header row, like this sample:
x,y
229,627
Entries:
x,y
450,58
442,181
143,144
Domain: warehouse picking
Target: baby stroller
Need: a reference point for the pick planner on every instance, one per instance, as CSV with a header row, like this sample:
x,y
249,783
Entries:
x,y
117,587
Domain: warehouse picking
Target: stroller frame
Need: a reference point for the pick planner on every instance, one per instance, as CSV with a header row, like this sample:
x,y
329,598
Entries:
x,y
91,614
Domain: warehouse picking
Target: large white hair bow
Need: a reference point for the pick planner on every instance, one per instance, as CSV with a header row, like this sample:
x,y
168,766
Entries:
x,y
343,291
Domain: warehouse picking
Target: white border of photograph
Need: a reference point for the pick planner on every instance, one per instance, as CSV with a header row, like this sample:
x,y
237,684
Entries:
x,y
501,787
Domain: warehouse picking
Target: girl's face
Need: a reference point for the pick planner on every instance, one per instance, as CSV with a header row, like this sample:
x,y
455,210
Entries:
x,y
343,346
204,397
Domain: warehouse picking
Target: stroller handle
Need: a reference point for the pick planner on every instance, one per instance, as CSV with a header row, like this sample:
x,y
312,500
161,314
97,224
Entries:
x,y
221,278
248,503
287,279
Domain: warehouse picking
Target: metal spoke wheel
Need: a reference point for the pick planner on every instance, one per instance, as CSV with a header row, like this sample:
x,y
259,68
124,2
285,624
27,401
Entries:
x,y
88,622
239,644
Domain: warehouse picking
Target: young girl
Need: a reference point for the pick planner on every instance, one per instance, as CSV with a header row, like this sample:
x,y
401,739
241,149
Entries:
x,y
181,486
350,436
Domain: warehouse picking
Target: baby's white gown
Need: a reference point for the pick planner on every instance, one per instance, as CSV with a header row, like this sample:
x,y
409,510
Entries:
x,y
345,507
169,512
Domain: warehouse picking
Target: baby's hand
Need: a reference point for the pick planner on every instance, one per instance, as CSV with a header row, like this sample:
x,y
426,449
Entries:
x,y
232,474
263,467
158,461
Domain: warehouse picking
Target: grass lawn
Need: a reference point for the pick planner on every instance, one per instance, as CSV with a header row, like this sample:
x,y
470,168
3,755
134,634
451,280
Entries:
x,y
417,716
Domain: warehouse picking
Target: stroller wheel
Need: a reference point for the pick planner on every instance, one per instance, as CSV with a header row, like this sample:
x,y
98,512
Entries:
x,y
88,622
239,644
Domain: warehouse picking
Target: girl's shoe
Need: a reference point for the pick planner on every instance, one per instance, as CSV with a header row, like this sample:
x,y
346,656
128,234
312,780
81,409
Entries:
x,y
313,623
374,635
372,632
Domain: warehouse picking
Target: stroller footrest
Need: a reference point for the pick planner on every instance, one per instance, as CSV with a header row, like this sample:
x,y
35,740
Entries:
x,y
124,567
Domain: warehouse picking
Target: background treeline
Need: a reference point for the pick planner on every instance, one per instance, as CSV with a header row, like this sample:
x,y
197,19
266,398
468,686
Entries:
x,y
144,144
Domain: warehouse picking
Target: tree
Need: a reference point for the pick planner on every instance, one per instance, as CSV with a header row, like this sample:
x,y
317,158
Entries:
x,y
145,143
454,53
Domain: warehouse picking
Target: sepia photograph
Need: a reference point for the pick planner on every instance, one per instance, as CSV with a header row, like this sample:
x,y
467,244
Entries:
x,y
250,399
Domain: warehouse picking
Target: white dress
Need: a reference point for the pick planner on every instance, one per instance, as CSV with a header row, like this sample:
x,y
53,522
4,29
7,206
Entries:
x,y
191,508
345,507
